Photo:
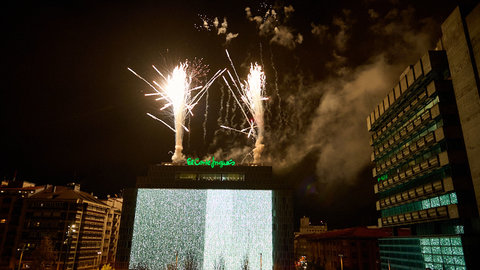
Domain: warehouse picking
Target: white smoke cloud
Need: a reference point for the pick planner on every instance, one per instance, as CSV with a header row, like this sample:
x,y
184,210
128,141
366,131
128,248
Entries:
x,y
299,38
223,28
288,10
209,24
398,26
248,13
320,31
343,23
332,128
336,133
271,26
205,25
284,36
230,36
373,14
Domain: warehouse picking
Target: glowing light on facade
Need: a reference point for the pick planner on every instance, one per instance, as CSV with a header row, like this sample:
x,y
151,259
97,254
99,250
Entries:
x,y
213,225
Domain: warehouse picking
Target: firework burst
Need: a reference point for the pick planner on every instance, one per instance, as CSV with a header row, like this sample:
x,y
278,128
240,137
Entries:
x,y
179,96
251,93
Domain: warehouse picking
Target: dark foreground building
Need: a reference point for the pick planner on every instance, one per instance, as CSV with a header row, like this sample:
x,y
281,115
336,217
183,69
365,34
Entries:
x,y
350,249
12,197
426,152
209,217
56,227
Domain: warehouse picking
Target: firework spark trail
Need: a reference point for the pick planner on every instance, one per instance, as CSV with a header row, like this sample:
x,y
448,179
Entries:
x,y
267,105
277,92
255,90
205,120
180,98
251,94
240,91
222,97
234,113
227,107
261,53
188,138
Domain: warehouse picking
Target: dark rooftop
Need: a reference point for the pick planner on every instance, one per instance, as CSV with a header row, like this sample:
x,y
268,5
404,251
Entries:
x,y
65,193
356,232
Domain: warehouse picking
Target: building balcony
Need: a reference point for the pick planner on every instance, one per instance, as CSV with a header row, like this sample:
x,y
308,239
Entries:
x,y
413,173
427,215
416,193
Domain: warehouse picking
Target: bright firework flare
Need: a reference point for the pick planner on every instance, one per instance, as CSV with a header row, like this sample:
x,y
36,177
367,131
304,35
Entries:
x,y
180,97
252,94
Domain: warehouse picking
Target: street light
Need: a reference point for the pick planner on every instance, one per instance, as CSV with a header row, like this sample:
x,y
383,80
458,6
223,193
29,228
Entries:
x,y
96,259
21,256
341,261
68,241
260,261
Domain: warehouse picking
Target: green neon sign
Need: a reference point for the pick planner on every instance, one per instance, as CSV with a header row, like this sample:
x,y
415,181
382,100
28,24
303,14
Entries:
x,y
382,178
212,163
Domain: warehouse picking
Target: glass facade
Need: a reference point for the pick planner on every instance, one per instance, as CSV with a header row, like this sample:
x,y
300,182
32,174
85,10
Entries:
x,y
209,227
442,200
422,253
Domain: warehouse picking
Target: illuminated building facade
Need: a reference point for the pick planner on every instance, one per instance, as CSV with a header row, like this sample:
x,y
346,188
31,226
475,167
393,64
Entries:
x,y
214,217
425,137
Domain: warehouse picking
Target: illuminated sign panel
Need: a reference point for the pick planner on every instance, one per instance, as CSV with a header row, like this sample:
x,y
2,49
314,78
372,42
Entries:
x,y
212,225
212,163
210,176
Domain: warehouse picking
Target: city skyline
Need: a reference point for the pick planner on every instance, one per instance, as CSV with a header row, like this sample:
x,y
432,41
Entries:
x,y
72,112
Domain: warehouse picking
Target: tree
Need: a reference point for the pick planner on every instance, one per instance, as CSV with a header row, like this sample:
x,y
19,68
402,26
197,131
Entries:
x,y
171,266
245,265
107,267
43,257
190,262
140,266
220,264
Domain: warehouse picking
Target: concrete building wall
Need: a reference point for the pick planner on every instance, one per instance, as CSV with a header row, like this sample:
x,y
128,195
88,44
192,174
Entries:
x,y
473,25
464,73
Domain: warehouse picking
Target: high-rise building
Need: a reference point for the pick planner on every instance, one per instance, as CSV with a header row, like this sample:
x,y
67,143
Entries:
x,y
210,216
112,229
425,137
12,195
66,228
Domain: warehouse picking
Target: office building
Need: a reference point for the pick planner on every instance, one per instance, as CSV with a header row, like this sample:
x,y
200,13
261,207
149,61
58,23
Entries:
x,y
210,216
425,137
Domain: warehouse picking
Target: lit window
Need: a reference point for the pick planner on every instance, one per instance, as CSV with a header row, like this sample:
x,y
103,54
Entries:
x,y
3,220
459,229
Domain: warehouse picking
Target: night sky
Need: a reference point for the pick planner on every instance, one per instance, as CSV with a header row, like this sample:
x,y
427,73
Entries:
x,y
72,112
